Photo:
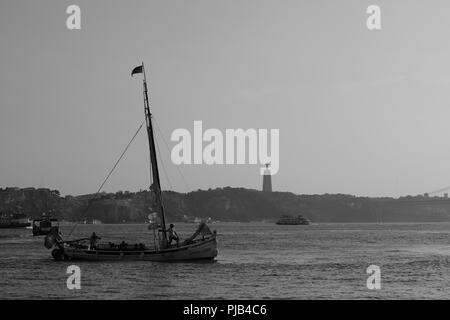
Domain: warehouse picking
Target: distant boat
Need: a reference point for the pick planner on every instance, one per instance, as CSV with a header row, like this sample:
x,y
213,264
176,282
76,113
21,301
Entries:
x,y
13,220
290,220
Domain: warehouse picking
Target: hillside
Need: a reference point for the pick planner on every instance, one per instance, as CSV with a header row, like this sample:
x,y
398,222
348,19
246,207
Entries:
x,y
224,204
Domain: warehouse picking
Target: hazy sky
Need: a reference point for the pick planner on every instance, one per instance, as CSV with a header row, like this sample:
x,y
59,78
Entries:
x,y
360,112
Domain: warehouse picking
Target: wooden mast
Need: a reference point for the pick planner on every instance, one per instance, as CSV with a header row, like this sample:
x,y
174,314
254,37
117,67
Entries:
x,y
156,185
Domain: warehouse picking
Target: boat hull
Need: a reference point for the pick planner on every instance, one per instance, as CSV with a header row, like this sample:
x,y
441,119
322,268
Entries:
x,y
198,250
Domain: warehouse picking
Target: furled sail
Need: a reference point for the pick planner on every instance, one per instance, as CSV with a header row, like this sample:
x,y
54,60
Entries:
x,y
202,230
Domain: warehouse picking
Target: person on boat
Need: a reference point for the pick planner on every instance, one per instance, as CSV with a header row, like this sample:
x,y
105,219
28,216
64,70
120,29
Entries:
x,y
94,239
172,234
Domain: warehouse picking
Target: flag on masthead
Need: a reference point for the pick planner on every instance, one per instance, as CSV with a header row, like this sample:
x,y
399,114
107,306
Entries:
x,y
138,69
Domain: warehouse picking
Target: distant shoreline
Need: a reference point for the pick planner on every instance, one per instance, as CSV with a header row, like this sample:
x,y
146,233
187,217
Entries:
x,y
225,205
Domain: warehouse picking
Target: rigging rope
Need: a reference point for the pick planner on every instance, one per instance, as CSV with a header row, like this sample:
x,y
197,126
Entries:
x,y
440,190
120,158
162,163
111,171
168,149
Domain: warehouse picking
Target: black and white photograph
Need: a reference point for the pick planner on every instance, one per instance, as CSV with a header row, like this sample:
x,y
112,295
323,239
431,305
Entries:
x,y
209,150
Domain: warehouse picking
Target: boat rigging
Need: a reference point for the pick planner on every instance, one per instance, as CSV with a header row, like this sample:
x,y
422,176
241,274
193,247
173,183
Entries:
x,y
201,245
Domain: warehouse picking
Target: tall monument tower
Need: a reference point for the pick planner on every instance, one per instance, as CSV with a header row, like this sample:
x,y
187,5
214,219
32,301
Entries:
x,y
267,179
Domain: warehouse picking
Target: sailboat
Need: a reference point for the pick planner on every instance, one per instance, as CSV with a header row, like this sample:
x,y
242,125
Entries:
x,y
202,245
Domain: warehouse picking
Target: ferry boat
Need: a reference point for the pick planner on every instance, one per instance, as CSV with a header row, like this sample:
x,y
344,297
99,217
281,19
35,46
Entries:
x,y
291,220
201,245
13,220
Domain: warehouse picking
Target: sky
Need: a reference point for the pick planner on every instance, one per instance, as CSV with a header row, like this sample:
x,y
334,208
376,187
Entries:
x,y
359,112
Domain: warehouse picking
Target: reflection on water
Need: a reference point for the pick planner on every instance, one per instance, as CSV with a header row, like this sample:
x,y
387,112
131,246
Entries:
x,y
255,261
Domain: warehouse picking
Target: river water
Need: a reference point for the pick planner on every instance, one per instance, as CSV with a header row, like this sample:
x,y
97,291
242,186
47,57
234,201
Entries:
x,y
255,261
